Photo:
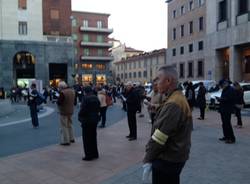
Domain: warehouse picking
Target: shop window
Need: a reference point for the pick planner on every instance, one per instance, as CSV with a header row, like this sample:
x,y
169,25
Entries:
x,y
100,66
181,74
87,78
87,66
200,68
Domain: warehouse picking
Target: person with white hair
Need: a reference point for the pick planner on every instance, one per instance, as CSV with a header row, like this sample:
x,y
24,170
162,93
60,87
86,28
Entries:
x,y
66,102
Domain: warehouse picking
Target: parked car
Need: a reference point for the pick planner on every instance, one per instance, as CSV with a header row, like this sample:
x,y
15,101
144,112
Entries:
x,y
213,102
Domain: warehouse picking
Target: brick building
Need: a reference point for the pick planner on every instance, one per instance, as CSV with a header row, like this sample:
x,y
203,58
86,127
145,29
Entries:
x,y
90,34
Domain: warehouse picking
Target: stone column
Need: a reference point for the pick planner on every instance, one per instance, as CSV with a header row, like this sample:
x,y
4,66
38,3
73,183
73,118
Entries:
x,y
235,69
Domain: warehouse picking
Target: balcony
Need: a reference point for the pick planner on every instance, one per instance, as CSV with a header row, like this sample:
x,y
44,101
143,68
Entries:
x,y
243,18
97,58
96,29
96,44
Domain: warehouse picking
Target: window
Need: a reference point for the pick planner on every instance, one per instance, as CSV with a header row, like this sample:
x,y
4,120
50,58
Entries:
x,y
173,52
74,37
86,52
74,22
145,74
126,75
99,24
243,6
182,30
182,50
200,69
99,38
191,27
129,66
130,75
191,5
139,74
222,11
174,34
201,2
190,69
139,64
86,38
22,4
201,24
182,10
134,64
200,45
174,14
100,52
134,74
122,75
22,28
54,14
181,73
87,66
100,66
85,23
190,47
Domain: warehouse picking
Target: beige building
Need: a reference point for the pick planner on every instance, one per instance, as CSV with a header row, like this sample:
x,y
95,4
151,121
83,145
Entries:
x,y
186,39
228,39
140,68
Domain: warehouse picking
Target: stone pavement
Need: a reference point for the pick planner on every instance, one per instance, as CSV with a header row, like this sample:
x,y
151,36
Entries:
x,y
211,161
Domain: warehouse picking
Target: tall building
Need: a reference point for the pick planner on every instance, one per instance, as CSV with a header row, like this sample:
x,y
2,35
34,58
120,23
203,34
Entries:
x,y
228,39
26,51
140,68
186,39
90,35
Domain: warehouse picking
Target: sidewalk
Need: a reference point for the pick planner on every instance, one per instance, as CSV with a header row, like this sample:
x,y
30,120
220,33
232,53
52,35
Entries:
x,y
211,161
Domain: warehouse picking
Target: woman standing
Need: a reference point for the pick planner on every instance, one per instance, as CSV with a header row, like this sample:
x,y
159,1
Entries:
x,y
102,98
201,100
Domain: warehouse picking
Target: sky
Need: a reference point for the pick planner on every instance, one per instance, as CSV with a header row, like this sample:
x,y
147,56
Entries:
x,y
141,24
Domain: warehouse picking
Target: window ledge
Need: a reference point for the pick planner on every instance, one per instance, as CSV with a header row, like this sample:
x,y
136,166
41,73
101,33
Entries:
x,y
242,18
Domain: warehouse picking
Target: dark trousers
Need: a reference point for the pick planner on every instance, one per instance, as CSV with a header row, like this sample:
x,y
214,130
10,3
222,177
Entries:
x,y
132,124
202,112
33,114
164,172
103,115
89,138
152,116
238,115
227,126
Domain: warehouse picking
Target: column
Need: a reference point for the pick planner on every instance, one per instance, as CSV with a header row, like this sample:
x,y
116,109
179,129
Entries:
x,y
235,68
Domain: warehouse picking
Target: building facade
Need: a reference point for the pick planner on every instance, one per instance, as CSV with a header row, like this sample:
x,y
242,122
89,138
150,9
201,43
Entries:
x,y
90,35
228,39
186,39
141,68
25,51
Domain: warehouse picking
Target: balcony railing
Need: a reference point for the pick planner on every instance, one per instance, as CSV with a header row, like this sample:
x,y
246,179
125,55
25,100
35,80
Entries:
x,y
62,39
96,29
96,44
99,58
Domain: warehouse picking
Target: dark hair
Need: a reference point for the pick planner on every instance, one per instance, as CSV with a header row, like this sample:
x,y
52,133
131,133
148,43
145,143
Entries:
x,y
88,90
33,85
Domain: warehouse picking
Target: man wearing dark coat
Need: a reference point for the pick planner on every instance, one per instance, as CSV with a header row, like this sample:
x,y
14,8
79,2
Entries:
x,y
89,116
133,105
33,105
201,100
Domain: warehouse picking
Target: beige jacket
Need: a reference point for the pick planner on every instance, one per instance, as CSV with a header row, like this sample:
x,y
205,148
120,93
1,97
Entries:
x,y
102,98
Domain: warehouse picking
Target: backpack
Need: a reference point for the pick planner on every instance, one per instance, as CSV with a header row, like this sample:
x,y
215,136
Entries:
x,y
40,99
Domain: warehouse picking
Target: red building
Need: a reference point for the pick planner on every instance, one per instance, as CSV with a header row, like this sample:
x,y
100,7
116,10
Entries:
x,y
90,34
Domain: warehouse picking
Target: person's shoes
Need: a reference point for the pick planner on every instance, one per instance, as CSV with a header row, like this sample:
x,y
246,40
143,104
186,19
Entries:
x,y
128,136
89,158
72,141
229,142
200,118
238,126
35,127
222,139
132,139
65,144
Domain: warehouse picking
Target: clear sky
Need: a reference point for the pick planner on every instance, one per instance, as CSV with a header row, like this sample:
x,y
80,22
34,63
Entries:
x,y
141,24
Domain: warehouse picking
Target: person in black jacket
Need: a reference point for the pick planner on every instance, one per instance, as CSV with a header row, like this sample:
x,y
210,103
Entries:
x,y
190,95
89,116
32,96
201,100
133,105
226,108
239,103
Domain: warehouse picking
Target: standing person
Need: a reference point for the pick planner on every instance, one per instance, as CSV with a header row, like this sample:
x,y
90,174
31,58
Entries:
x,y
201,100
89,116
155,101
226,108
102,98
33,105
65,104
169,147
133,104
190,95
45,93
239,103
